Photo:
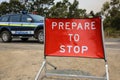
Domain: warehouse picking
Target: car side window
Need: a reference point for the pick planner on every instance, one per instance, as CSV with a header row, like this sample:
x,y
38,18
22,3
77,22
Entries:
x,y
15,18
4,18
24,18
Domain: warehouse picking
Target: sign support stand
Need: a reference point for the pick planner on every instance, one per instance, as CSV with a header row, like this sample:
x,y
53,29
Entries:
x,y
106,63
107,72
68,75
42,67
45,62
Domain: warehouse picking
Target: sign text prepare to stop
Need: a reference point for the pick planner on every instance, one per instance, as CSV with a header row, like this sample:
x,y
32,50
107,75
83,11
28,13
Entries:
x,y
75,37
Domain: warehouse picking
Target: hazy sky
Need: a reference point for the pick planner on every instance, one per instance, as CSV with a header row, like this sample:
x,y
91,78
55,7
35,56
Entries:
x,y
3,0
89,5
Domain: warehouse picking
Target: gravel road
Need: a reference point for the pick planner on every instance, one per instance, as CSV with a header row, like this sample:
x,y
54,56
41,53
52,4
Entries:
x,y
21,61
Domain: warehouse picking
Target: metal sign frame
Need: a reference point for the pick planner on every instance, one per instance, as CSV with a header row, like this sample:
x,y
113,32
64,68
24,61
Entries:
x,y
45,62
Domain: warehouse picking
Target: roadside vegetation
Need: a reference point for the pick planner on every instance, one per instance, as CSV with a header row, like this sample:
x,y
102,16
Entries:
x,y
110,12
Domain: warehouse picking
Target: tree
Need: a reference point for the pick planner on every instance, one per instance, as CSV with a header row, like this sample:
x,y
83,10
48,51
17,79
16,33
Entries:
x,y
65,9
115,20
13,6
91,14
111,11
42,6
4,8
105,9
74,12
60,10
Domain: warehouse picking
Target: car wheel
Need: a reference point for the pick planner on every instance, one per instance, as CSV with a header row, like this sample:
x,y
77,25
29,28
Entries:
x,y
24,39
6,36
40,36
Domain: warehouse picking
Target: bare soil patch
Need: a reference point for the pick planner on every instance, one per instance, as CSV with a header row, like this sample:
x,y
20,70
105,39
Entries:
x,y
21,61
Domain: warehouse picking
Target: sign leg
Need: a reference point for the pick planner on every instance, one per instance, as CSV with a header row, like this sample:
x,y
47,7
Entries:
x,y
40,70
107,72
51,65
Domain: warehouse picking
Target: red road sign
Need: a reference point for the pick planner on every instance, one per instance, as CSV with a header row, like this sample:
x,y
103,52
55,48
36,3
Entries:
x,y
74,37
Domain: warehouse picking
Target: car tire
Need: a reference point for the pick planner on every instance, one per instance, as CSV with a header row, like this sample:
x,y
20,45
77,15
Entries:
x,y
40,36
6,36
24,39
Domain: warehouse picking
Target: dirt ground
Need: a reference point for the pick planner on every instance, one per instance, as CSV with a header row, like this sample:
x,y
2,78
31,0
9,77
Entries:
x,y
22,60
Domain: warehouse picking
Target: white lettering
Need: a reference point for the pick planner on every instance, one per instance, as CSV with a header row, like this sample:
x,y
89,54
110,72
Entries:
x,y
74,24
76,37
87,26
69,48
62,48
93,25
70,36
76,49
80,26
54,24
67,25
84,48
61,25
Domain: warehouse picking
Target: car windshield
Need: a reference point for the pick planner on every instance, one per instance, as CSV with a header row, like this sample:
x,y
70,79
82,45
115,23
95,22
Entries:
x,y
37,17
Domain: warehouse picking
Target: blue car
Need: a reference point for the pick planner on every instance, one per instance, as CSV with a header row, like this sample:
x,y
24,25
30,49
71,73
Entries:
x,y
22,26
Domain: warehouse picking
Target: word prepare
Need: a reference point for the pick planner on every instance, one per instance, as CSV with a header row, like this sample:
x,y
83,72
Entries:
x,y
73,25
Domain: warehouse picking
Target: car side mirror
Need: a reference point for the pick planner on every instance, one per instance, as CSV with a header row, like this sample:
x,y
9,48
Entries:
x,y
29,20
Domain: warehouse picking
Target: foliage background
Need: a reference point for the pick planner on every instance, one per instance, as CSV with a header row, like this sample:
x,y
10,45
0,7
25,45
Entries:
x,y
110,12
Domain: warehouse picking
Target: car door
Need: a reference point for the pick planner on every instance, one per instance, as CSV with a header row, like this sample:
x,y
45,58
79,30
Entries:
x,y
27,25
4,22
15,24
